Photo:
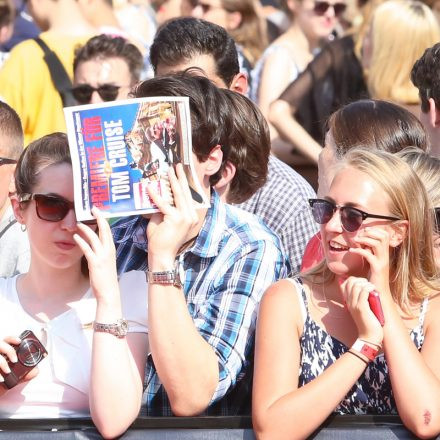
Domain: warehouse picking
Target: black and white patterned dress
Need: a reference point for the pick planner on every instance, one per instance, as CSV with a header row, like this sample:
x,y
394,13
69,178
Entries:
x,y
372,393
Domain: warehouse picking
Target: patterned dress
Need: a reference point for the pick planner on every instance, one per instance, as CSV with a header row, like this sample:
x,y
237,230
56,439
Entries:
x,y
372,393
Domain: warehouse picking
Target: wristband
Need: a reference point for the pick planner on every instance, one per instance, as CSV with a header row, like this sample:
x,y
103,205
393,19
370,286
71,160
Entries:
x,y
361,347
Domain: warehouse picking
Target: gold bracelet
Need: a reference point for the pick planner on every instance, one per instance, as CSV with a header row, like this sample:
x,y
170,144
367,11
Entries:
x,y
359,357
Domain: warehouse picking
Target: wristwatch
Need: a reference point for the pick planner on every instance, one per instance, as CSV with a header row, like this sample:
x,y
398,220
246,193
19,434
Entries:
x,y
118,329
174,277
361,347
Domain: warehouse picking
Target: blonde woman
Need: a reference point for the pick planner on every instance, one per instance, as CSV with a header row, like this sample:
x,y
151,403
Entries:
x,y
414,29
320,348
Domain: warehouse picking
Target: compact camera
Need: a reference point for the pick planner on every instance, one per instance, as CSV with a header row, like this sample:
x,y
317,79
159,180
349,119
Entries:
x,y
30,352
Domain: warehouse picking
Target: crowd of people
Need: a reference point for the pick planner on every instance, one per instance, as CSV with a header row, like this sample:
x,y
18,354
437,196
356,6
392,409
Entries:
x,y
292,296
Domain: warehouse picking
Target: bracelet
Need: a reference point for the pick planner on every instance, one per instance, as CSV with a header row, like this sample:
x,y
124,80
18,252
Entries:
x,y
363,348
359,357
379,346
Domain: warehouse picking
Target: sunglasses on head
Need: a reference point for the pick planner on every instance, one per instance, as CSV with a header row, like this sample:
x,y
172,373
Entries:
x,y
52,208
351,218
320,8
6,161
83,92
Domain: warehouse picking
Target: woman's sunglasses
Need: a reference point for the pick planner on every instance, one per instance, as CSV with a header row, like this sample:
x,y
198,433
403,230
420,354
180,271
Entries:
x,y
83,92
52,208
351,218
320,8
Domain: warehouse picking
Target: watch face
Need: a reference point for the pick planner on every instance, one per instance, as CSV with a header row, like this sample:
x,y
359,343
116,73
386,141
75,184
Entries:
x,y
122,327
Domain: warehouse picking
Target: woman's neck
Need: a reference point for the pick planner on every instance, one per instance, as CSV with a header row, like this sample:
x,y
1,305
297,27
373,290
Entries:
x,y
59,285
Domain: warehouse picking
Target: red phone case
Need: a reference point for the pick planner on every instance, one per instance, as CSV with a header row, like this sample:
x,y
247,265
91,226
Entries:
x,y
376,306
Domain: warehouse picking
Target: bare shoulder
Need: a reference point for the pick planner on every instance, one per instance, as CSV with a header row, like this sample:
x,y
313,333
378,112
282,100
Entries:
x,y
433,311
281,301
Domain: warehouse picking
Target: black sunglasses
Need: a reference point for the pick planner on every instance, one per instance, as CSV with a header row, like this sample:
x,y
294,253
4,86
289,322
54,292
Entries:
x,y
320,8
351,218
52,208
83,92
6,161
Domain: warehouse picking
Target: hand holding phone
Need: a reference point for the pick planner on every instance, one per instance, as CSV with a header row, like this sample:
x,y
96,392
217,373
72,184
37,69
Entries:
x,y
30,352
376,306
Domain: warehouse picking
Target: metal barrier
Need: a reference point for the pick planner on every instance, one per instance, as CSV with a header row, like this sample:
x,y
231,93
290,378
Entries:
x,y
198,428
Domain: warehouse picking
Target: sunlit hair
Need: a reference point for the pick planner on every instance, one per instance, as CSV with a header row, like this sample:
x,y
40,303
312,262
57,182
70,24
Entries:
x,y
427,167
413,273
376,125
401,31
250,34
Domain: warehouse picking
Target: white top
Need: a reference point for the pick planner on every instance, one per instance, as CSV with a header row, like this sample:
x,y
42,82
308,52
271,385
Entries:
x,y
61,387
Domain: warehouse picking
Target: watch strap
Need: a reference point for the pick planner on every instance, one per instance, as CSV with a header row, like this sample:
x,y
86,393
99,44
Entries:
x,y
118,329
363,348
167,277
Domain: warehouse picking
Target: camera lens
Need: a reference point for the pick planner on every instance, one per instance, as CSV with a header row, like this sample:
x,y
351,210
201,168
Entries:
x,y
29,353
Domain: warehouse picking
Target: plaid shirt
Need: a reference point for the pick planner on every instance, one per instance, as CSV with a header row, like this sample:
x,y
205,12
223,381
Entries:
x,y
282,203
233,260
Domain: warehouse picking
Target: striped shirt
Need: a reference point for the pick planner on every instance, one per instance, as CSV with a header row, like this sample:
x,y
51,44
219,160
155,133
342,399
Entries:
x,y
233,260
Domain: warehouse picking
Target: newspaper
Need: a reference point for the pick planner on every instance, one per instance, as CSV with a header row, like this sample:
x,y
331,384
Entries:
x,y
119,148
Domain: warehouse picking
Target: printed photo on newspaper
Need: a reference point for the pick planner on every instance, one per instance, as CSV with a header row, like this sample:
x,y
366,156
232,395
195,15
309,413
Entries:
x,y
119,148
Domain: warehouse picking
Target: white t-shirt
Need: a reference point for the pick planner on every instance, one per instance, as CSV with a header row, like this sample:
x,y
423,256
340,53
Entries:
x,y
61,387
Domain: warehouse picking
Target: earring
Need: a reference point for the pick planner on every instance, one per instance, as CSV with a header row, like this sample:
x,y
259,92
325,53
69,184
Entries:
x,y
23,228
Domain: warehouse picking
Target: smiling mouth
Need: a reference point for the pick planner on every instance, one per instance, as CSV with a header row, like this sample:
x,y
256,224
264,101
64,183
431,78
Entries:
x,y
337,247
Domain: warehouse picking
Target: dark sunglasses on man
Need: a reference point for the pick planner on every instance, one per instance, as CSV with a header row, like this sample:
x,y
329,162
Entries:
x,y
351,218
83,92
52,208
321,8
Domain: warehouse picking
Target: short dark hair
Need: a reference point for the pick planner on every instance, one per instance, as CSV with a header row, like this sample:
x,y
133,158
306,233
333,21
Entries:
x,y
249,147
7,12
11,129
425,76
106,46
210,113
183,38
376,125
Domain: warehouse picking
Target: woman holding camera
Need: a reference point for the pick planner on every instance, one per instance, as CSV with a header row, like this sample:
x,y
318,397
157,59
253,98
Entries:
x,y
320,345
93,327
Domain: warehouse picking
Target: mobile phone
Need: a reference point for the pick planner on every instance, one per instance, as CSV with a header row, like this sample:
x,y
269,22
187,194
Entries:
x,y
30,352
376,306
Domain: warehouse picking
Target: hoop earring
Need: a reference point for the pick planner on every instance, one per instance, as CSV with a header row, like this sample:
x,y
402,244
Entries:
x,y
23,228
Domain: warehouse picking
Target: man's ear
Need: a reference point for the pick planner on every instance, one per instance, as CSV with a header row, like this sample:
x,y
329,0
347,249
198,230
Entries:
x,y
240,83
222,186
214,161
234,20
399,233
434,114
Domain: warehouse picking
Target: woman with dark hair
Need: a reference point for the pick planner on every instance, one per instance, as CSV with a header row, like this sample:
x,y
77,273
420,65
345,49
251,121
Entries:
x,y
93,327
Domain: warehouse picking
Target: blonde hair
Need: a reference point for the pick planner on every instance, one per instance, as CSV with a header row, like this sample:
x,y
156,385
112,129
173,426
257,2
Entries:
x,y
427,167
401,31
413,272
251,32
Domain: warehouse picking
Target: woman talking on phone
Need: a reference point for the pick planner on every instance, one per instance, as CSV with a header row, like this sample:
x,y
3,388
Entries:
x,y
92,326
320,346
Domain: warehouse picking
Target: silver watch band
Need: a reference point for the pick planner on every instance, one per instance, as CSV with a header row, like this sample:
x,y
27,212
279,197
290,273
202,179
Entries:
x,y
118,329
